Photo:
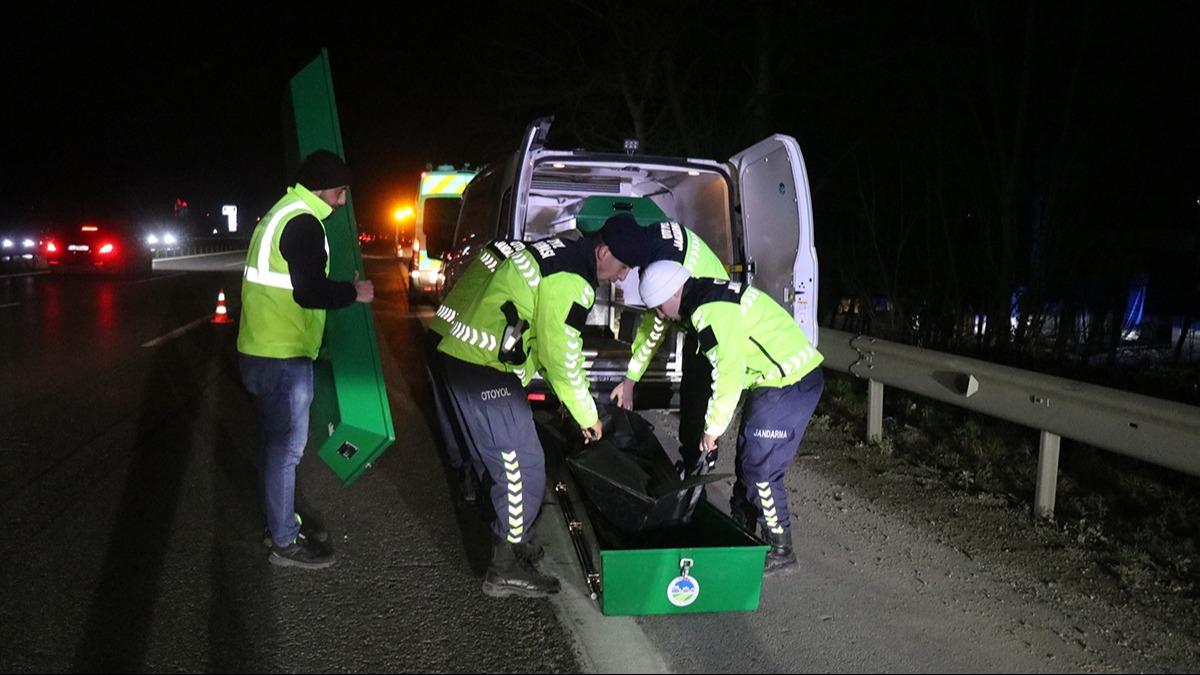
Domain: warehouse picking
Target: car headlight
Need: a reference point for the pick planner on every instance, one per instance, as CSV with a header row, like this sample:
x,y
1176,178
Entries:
x,y
168,238
7,243
152,239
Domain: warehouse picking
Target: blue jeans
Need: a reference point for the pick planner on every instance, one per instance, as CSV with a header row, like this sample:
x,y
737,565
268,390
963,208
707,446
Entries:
x,y
283,390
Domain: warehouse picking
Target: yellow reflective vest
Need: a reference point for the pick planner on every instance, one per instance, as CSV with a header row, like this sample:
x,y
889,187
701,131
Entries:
x,y
273,324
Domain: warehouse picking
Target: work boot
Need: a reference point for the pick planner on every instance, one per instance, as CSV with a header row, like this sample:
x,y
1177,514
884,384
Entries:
x,y
781,560
511,574
468,485
530,550
302,553
742,511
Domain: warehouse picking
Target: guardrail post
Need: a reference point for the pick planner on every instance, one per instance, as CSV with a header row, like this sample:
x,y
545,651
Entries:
x,y
874,411
1047,475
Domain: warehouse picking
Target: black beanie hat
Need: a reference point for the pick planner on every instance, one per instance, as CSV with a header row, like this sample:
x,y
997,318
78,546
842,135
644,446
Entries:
x,y
627,240
323,170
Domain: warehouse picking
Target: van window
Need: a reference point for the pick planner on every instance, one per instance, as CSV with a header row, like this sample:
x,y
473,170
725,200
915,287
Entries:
x,y
479,217
438,218
505,209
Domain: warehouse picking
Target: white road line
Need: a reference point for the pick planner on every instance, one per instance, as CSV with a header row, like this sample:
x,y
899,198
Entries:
x,y
236,264
607,644
24,274
177,332
11,304
202,255
160,278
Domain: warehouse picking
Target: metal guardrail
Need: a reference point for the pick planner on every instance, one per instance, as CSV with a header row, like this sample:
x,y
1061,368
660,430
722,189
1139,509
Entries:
x,y
1150,429
203,245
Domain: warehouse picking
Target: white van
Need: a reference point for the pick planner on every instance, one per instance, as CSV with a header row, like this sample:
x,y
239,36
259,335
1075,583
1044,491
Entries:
x,y
439,199
753,210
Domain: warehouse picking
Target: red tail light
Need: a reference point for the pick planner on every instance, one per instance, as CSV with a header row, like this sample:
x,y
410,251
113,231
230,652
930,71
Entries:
x,y
106,249
51,247
536,396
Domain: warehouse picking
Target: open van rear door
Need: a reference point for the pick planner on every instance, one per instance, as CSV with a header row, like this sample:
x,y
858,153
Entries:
x,y
777,226
533,140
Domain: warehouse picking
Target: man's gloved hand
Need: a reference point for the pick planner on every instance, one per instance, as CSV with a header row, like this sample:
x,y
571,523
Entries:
x,y
622,394
592,433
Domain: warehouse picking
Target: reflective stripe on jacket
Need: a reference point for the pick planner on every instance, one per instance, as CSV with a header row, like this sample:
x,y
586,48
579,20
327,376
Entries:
x,y
701,262
750,340
537,295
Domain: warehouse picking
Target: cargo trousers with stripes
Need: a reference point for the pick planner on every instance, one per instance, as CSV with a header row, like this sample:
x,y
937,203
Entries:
x,y
488,410
773,423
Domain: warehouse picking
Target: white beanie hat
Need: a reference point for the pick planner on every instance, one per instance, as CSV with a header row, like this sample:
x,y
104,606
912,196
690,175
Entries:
x,y
660,280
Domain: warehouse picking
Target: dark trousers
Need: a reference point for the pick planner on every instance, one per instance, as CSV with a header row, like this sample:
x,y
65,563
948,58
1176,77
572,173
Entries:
x,y
773,423
492,424
694,391
449,425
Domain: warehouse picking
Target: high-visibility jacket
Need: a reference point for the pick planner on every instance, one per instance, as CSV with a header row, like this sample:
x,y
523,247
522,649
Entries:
x,y
750,340
699,260
521,308
272,323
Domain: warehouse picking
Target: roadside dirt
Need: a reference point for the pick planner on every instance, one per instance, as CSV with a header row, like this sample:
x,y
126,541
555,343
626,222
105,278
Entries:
x,y
1127,598
1078,597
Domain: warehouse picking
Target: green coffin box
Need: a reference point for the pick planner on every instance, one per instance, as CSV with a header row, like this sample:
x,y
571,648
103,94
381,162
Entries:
x,y
709,565
351,417
597,209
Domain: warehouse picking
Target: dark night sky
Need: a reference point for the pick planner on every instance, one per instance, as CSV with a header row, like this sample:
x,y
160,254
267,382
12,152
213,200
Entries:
x,y
120,109
127,111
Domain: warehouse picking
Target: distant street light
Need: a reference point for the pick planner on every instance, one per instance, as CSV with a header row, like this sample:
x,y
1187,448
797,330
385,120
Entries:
x,y
401,214
230,213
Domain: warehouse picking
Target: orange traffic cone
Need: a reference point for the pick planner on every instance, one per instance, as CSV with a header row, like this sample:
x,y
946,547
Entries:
x,y
222,315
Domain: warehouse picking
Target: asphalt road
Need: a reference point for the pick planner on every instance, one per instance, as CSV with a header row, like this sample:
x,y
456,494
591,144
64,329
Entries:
x,y
132,532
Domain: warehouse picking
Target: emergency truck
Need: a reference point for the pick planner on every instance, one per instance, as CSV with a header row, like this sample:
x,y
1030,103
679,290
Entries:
x,y
753,210
438,202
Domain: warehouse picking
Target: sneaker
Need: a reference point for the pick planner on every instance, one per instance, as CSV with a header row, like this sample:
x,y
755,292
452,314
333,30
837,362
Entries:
x,y
311,531
302,553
